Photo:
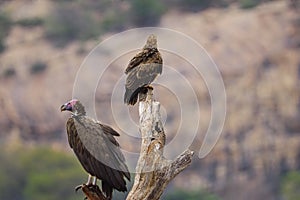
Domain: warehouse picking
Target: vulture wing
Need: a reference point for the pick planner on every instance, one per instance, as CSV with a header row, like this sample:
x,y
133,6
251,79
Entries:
x,y
142,75
138,77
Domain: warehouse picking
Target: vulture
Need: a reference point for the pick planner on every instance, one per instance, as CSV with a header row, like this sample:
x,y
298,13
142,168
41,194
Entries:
x,y
96,149
142,70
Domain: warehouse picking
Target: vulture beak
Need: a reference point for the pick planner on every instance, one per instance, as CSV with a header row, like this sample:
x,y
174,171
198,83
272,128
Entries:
x,y
63,107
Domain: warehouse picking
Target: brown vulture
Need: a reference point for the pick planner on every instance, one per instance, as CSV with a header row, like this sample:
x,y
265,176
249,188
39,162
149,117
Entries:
x,y
141,71
96,149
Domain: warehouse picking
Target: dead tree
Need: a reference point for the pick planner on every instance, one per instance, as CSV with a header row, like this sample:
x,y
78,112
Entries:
x,y
153,171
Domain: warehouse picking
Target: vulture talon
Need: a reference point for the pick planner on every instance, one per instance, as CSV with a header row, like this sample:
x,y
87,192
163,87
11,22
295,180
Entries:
x,y
78,187
150,87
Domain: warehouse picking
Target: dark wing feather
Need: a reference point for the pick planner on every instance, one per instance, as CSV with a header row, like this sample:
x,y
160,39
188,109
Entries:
x,y
131,96
140,76
98,152
143,57
108,130
110,133
135,61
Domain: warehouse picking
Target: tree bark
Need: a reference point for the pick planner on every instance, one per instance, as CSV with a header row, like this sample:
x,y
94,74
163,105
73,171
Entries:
x,y
92,192
153,171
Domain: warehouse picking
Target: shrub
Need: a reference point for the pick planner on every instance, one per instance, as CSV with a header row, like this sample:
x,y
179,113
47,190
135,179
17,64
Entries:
x,y
193,5
246,4
66,24
98,6
53,175
145,12
12,176
197,5
290,186
38,67
2,46
114,21
39,173
5,25
30,22
9,72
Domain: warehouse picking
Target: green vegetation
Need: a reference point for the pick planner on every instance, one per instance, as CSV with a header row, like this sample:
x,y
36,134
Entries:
x,y
70,22
193,5
30,22
196,5
38,67
290,186
81,20
145,12
190,195
246,4
39,173
5,25
66,24
114,21
9,72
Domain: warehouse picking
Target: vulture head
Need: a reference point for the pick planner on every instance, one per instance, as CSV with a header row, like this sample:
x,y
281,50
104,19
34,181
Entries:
x,y
73,106
151,42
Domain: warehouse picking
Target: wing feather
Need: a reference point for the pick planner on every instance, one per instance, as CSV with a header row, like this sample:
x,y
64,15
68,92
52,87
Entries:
x,y
144,56
143,75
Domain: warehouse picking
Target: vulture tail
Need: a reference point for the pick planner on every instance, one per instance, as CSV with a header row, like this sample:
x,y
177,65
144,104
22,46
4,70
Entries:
x,y
131,96
107,189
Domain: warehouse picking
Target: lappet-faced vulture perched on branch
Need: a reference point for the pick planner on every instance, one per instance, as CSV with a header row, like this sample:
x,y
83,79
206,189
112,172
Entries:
x,y
142,69
96,149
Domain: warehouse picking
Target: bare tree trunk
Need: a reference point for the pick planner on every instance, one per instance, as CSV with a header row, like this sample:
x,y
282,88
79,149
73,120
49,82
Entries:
x,y
153,171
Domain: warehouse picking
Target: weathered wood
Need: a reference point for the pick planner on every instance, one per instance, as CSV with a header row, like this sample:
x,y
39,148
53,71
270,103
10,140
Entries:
x,y
153,171
92,192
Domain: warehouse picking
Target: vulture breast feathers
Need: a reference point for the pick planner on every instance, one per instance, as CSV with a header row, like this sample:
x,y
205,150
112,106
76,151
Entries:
x,y
142,70
96,149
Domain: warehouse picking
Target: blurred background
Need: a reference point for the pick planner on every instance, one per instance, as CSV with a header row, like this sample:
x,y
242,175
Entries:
x,y
256,45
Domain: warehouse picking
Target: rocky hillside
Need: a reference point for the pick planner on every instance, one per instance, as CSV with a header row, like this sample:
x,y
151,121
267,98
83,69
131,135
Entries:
x,y
257,51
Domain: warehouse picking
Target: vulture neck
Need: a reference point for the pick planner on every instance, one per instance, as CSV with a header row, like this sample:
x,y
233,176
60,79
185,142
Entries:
x,y
79,110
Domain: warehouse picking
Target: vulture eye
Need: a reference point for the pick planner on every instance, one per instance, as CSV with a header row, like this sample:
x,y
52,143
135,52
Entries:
x,y
69,106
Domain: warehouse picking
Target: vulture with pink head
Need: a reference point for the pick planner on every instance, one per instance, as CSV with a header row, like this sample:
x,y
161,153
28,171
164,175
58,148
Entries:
x,y
96,149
